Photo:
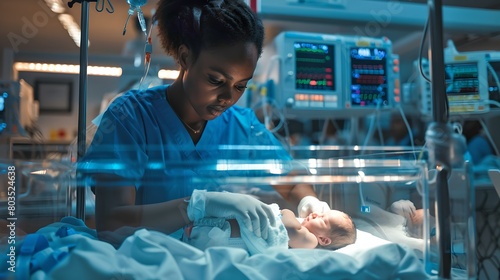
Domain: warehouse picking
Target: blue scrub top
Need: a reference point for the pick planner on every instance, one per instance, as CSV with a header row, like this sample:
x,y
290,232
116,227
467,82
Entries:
x,y
141,140
479,148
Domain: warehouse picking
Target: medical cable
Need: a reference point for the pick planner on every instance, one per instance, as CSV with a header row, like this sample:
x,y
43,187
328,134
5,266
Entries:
x,y
493,102
494,75
421,154
380,134
485,128
410,132
274,107
287,134
364,208
275,58
264,94
412,77
267,119
323,137
269,105
420,66
421,49
270,108
369,134
274,61
320,192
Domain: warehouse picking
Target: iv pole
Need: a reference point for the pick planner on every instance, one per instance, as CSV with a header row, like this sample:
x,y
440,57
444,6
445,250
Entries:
x,y
82,106
82,103
439,137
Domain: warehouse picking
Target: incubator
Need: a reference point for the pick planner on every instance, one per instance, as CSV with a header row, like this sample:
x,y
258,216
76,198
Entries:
x,y
375,186
35,193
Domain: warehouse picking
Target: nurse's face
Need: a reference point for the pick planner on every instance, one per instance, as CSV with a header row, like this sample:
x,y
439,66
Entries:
x,y
218,78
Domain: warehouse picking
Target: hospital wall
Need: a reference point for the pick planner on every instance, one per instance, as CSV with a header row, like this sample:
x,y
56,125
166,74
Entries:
x,y
50,122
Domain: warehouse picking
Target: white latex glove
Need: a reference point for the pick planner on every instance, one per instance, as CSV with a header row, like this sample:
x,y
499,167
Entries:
x,y
309,204
250,212
403,208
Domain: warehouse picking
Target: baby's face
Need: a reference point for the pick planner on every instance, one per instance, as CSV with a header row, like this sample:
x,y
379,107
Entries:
x,y
321,223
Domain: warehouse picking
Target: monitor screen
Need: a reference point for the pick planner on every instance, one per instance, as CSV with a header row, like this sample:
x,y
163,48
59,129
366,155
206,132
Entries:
x,y
2,101
462,81
368,76
493,80
321,75
314,66
3,115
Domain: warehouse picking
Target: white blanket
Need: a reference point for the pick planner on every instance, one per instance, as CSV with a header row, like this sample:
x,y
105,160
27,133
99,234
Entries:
x,y
153,255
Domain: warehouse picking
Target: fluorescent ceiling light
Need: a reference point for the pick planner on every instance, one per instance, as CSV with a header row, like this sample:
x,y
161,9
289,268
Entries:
x,y
55,5
168,74
66,20
67,69
72,27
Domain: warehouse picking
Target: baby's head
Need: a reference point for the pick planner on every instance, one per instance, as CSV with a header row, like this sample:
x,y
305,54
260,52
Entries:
x,y
334,229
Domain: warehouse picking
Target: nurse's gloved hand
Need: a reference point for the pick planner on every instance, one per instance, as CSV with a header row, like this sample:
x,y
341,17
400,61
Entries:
x,y
250,212
403,208
310,204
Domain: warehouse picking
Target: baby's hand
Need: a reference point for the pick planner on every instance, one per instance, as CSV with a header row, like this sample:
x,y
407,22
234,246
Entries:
x,y
403,208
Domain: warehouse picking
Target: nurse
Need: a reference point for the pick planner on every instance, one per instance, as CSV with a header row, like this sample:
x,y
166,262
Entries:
x,y
217,45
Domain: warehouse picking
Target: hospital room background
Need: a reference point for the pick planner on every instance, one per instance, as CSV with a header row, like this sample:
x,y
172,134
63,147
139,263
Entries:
x,y
344,85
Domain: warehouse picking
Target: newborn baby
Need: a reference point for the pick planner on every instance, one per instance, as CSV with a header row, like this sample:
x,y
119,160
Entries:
x,y
330,230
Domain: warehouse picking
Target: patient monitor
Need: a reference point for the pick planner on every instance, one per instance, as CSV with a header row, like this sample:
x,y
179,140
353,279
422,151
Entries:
x,y
323,75
472,83
18,109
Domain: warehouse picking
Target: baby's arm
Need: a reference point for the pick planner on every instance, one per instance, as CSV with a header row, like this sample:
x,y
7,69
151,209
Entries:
x,y
414,217
300,237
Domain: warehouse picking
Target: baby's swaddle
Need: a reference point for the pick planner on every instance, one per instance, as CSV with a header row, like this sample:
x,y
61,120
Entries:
x,y
209,231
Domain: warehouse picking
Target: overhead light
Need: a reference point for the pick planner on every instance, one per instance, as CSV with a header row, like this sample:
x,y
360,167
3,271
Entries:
x,y
66,20
55,5
67,69
168,74
72,27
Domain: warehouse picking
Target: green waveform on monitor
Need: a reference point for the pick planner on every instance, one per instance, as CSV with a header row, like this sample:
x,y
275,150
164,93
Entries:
x,y
321,70
311,82
313,60
309,50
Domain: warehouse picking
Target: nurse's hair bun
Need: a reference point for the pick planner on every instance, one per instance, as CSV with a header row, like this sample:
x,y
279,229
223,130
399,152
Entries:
x,y
200,3
204,24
